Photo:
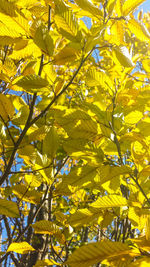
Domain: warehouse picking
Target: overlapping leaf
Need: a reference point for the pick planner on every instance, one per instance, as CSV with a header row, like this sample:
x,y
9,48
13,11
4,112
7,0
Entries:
x,y
46,262
6,107
139,29
93,253
80,176
32,83
129,6
89,6
24,193
107,173
83,217
66,21
109,201
43,40
8,208
13,18
123,56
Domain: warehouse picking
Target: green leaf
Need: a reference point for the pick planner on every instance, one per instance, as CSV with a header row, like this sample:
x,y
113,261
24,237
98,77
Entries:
x,y
8,208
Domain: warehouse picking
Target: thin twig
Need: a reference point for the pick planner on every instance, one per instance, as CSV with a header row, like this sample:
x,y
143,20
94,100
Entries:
x,y
5,123
34,171
30,122
63,90
34,216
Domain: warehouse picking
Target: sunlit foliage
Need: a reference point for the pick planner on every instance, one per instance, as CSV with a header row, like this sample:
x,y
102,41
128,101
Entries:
x,y
75,133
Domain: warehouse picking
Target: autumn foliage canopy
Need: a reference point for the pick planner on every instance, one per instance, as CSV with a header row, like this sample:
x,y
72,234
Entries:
x,y
75,133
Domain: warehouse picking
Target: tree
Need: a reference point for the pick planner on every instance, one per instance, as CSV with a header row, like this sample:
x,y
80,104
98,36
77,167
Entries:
x,y
75,133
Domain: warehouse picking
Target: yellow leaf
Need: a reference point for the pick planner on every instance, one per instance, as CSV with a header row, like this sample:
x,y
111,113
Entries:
x,y
32,83
87,5
83,217
129,6
30,50
5,77
6,107
8,36
117,33
142,243
43,40
13,18
144,173
66,21
45,227
49,73
45,262
29,68
26,194
66,55
106,219
138,148
109,202
26,3
148,228
49,228
93,253
107,173
118,7
8,208
146,65
38,134
143,262
51,142
133,216
9,67
80,176
123,56
78,124
139,29
98,78
21,248
133,117
33,180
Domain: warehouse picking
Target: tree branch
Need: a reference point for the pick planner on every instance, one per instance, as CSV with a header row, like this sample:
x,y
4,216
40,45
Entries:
x,y
63,90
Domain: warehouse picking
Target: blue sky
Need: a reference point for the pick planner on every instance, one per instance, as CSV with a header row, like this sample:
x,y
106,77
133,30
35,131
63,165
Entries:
x,y
145,6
